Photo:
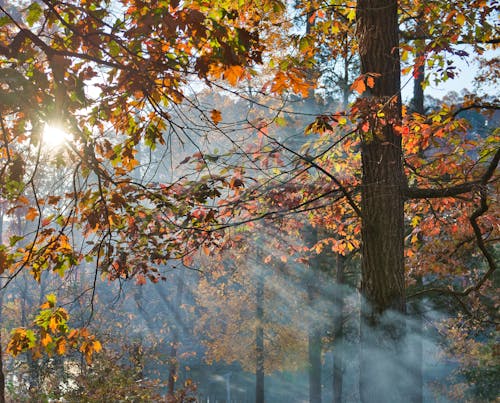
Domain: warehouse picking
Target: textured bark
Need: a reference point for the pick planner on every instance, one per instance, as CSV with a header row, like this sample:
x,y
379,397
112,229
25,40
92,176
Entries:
x,y
259,341
2,375
382,205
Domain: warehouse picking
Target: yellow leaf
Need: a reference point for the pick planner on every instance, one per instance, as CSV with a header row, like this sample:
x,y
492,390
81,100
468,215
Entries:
x,y
351,16
460,19
97,346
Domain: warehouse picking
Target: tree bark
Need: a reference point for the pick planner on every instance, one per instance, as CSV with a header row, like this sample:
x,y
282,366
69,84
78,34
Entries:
x,y
2,374
382,204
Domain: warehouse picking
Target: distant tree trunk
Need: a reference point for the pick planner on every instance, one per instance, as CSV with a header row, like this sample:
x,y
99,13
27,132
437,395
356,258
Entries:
x,y
259,340
313,332
338,353
172,373
417,103
314,340
382,205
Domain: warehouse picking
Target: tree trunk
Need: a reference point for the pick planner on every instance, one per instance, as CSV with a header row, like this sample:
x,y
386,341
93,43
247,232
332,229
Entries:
x,y
259,340
314,341
338,353
2,375
314,331
172,373
417,105
382,204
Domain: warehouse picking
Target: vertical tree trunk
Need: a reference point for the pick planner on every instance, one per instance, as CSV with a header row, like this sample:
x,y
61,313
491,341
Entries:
x,y
2,375
259,340
338,353
382,204
172,373
417,105
314,332
314,340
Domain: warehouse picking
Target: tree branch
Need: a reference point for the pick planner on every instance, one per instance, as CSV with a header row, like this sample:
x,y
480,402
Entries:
x,y
430,193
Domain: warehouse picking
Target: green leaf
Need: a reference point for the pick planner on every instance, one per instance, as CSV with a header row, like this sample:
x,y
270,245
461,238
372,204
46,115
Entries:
x,y
51,299
35,11
15,239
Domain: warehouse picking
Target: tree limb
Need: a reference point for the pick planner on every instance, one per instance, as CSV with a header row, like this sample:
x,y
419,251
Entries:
x,y
433,193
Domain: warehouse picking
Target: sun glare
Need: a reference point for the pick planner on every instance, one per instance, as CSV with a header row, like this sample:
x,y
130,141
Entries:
x,y
54,136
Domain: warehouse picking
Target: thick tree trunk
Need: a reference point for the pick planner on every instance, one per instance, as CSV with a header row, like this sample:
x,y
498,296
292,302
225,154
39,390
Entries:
x,y
338,353
259,340
382,205
2,375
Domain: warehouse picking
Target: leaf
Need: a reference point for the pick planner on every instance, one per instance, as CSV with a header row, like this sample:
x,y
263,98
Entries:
x,y
35,11
233,74
46,339
370,82
216,116
460,19
53,324
52,299
31,214
61,346
359,85
97,346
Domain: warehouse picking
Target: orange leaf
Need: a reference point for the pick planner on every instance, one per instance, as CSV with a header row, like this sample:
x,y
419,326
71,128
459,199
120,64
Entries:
x,y
46,340
370,81
359,85
216,116
233,74
31,214
61,346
